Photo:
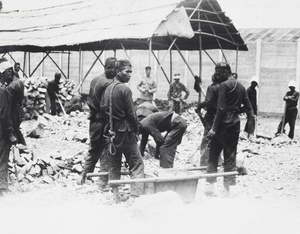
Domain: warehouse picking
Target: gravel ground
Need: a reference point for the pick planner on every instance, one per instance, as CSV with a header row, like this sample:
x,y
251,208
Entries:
x,y
267,200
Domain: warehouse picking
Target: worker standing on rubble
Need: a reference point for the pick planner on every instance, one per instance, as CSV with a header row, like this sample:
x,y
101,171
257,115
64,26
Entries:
x,y
291,101
226,126
119,107
16,94
7,137
156,123
17,68
175,97
252,95
210,104
147,87
98,122
52,89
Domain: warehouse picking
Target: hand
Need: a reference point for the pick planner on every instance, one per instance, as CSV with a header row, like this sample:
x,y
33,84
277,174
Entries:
x,y
211,134
12,139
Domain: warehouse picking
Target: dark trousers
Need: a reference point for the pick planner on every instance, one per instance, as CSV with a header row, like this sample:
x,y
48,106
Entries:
x,y
17,117
97,150
225,139
4,155
53,106
172,140
290,117
205,143
127,145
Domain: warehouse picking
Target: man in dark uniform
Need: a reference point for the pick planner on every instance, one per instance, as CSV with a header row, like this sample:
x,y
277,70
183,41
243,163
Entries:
x,y
16,93
7,137
156,123
98,122
120,110
226,126
53,88
210,103
252,95
291,101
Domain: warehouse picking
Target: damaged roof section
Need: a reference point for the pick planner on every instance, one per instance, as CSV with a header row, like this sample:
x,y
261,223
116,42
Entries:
x,y
103,24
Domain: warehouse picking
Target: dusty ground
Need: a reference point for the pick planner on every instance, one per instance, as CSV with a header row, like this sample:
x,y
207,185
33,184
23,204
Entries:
x,y
267,200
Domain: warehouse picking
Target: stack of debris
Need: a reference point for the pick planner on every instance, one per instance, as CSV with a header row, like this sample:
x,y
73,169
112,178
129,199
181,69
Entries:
x,y
37,97
24,166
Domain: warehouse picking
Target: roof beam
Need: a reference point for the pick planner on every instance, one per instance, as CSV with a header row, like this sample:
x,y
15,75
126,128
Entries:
x,y
211,22
212,35
205,11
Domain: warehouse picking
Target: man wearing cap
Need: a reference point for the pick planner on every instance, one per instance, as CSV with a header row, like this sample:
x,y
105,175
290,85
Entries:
x,y
16,93
147,86
98,122
291,101
252,95
53,89
156,123
175,94
7,137
120,110
226,126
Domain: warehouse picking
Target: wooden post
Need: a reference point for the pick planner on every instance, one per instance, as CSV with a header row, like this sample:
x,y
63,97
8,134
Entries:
x,y
80,68
171,67
298,68
69,54
258,66
200,57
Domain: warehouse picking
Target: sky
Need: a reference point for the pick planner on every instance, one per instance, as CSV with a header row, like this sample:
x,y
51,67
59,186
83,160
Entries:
x,y
243,13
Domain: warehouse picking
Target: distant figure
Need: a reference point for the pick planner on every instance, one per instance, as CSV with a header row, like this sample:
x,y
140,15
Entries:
x,y
53,88
290,114
175,95
17,68
252,95
147,86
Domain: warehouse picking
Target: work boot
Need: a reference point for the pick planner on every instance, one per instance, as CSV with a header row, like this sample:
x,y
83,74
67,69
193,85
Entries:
x,y
115,191
209,190
226,191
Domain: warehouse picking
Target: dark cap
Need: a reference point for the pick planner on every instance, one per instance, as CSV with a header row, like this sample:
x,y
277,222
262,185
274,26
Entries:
x,y
57,75
110,62
148,67
223,66
121,64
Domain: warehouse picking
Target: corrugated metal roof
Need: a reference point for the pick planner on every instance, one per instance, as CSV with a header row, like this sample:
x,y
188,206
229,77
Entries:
x,y
270,34
103,24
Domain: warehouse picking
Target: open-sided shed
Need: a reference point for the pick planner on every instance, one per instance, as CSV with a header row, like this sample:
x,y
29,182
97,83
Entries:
x,y
99,25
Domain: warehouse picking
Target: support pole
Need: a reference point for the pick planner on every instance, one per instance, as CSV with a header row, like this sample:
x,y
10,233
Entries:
x,y
97,58
69,54
80,67
200,58
171,67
